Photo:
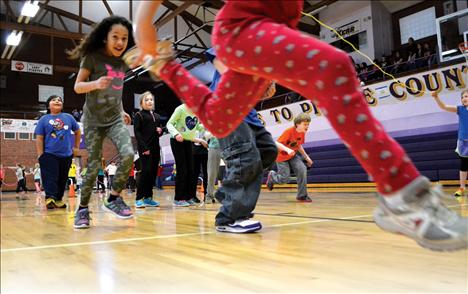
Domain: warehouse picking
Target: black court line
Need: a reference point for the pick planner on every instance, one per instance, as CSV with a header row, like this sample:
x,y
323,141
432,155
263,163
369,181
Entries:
x,y
292,215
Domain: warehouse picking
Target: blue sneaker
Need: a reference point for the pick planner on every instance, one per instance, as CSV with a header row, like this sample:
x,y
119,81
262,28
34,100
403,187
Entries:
x,y
140,204
150,202
191,202
180,203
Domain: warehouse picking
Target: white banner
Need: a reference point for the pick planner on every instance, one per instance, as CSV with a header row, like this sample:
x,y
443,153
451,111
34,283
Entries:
x,y
448,81
23,125
23,66
347,30
18,125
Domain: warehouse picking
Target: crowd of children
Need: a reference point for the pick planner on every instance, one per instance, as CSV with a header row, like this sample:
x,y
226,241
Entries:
x,y
255,43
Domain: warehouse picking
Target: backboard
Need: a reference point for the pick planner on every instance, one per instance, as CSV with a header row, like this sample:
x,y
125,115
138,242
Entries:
x,y
452,30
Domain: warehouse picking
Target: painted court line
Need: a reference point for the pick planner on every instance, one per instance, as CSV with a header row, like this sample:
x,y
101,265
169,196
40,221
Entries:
x,y
175,235
318,221
102,242
160,237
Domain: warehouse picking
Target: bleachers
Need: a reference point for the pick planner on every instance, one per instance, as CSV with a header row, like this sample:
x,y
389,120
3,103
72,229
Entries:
x,y
433,155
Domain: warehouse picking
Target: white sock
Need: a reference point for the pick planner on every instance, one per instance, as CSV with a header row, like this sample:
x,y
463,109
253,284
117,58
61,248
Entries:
x,y
396,200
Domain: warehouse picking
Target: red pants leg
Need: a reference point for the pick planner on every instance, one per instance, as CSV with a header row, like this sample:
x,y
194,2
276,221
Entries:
x,y
263,51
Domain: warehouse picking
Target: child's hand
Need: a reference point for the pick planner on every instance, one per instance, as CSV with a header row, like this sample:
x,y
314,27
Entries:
x,y
271,90
179,138
103,82
309,162
147,152
434,95
202,142
127,118
159,130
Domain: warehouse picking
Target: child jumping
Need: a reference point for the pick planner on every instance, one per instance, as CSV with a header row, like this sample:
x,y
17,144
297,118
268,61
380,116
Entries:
x,y
289,143
258,42
247,152
462,142
101,77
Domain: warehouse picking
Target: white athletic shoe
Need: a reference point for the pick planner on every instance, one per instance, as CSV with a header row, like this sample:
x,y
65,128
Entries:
x,y
240,226
424,218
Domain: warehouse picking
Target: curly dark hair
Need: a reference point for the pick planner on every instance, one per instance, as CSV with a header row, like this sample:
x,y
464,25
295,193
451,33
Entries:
x,y
95,39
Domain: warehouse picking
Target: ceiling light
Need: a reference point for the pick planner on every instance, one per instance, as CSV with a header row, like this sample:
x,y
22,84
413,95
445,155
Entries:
x,y
14,38
30,9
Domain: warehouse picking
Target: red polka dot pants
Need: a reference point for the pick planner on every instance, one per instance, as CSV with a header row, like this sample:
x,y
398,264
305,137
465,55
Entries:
x,y
262,51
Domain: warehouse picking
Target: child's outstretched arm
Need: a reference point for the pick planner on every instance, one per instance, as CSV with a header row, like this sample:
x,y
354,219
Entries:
x,y
82,85
284,148
145,33
306,156
442,105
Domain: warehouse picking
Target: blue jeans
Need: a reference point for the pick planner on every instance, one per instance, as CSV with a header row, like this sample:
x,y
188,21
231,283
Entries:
x,y
247,152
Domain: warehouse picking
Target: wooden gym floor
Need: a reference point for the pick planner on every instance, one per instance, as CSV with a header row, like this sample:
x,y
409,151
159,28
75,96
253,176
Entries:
x,y
330,245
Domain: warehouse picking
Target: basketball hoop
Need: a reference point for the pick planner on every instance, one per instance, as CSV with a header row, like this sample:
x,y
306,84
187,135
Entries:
x,y
464,50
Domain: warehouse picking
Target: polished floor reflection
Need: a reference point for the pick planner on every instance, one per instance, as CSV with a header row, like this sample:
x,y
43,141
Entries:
x,y
329,245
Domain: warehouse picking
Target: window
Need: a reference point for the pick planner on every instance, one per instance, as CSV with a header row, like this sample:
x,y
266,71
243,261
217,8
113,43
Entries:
x,y
358,40
9,136
418,25
23,136
46,91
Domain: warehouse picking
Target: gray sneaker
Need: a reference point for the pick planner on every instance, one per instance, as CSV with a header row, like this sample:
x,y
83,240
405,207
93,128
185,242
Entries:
x,y
118,208
424,218
269,181
81,219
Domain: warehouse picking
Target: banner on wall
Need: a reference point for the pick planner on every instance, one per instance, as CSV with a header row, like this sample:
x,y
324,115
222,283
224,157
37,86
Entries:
x,y
347,30
18,125
28,126
45,69
448,81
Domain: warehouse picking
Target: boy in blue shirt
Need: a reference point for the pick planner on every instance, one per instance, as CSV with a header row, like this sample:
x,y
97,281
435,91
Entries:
x,y
55,149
